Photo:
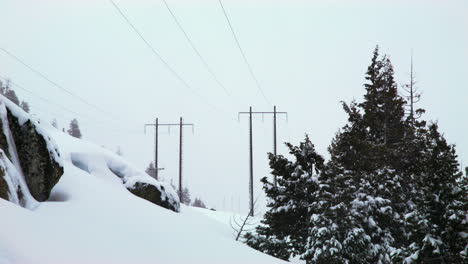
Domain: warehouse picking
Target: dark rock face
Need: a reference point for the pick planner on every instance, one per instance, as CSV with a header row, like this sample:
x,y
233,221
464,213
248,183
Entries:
x,y
41,171
3,186
3,141
151,193
148,192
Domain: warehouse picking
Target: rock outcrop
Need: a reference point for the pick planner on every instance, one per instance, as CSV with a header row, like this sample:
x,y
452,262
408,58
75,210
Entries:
x,y
151,193
3,185
41,171
145,187
30,165
114,169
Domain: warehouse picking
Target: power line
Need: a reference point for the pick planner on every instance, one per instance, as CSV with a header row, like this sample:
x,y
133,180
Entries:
x,y
166,64
49,80
192,45
243,53
50,102
38,96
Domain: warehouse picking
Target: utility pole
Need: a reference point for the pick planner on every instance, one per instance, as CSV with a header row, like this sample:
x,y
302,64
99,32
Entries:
x,y
156,167
180,125
156,129
274,132
251,165
250,113
181,197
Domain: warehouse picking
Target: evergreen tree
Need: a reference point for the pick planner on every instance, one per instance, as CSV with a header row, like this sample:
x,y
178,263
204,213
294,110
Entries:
x,y
283,231
392,191
360,217
151,171
10,94
440,222
185,196
198,203
54,123
25,106
74,129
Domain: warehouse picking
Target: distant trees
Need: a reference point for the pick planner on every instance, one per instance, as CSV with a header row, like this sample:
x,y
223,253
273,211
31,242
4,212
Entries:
x,y
185,196
391,192
8,92
151,171
74,129
25,106
198,203
55,123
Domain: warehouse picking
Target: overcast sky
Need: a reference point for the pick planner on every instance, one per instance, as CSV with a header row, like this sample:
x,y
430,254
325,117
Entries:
x,y
306,55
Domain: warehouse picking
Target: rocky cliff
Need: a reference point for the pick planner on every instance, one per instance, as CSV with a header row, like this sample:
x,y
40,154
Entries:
x,y
30,163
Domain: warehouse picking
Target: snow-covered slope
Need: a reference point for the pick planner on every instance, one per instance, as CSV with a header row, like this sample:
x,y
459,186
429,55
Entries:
x,y
92,218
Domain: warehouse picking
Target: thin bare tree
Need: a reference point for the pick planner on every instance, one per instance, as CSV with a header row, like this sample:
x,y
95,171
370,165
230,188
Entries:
x,y
413,96
241,224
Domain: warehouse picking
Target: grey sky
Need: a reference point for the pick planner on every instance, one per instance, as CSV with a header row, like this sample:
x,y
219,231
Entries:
x,y
307,55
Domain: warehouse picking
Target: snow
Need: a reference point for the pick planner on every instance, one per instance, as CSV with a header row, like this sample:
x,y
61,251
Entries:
x,y
92,218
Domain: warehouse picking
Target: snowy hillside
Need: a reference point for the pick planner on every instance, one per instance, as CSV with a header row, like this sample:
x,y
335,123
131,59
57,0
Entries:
x,y
92,217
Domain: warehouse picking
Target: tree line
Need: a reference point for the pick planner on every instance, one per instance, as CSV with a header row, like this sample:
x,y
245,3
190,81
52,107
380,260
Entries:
x,y
7,91
392,190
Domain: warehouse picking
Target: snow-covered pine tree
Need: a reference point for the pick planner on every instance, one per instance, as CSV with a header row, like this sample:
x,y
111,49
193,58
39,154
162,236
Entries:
x,y
74,129
25,106
198,203
335,233
440,224
283,230
363,187
11,94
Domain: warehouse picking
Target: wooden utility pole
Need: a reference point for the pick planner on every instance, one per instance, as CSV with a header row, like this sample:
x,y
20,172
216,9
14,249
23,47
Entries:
x,y
180,161
156,130
251,164
180,125
156,166
274,132
250,113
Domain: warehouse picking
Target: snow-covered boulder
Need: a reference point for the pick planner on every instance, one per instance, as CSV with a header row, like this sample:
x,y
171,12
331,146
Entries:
x,y
39,166
153,193
29,159
144,186
115,170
